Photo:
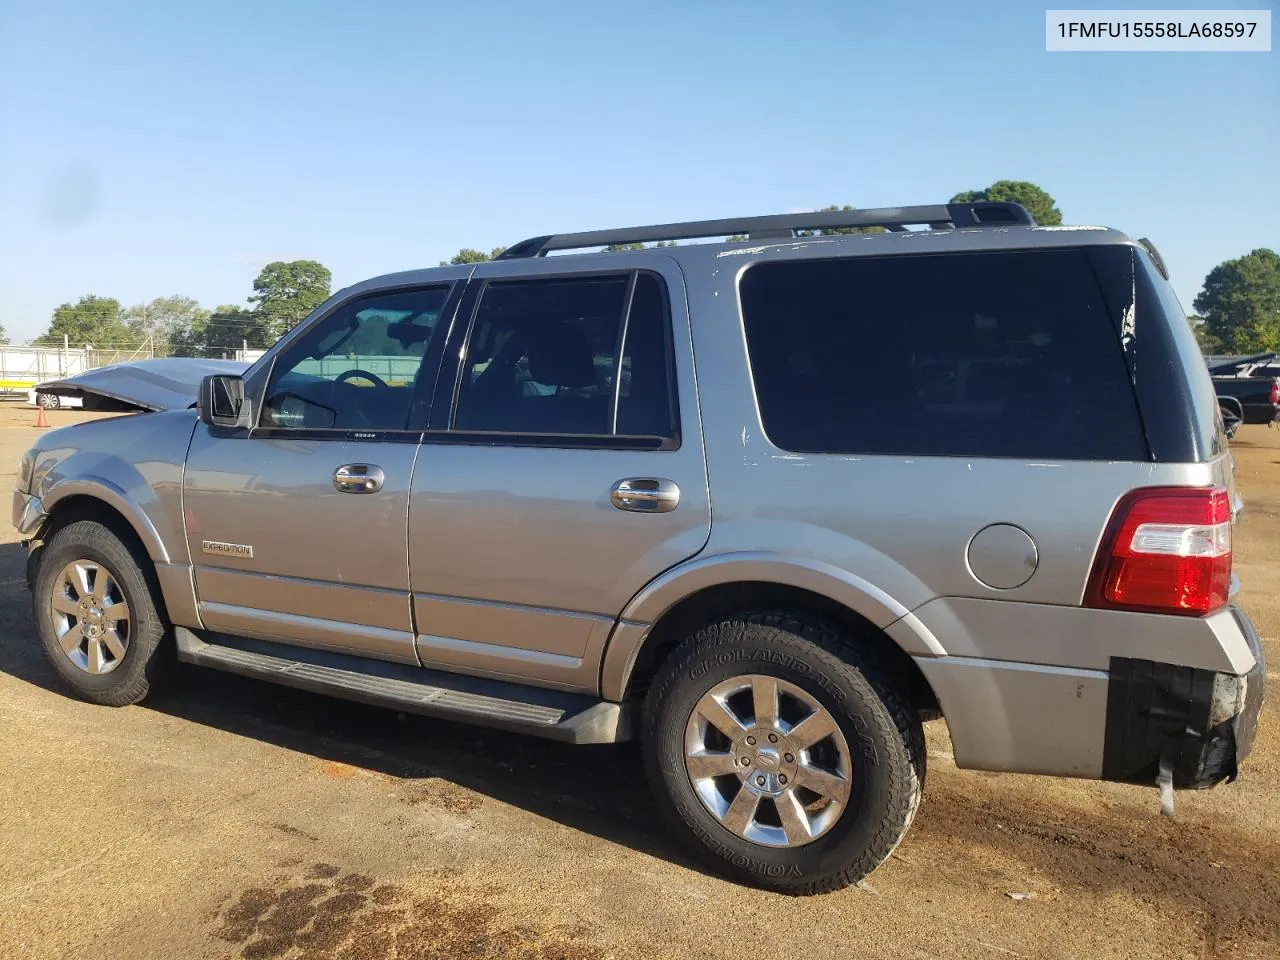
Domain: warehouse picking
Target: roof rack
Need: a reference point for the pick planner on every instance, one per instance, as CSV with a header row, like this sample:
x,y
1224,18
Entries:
x,y
785,226
1155,256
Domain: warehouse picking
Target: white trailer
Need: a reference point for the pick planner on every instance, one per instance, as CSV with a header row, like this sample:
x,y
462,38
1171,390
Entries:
x,y
21,368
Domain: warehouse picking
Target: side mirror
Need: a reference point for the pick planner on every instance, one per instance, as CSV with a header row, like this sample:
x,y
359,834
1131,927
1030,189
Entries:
x,y
222,402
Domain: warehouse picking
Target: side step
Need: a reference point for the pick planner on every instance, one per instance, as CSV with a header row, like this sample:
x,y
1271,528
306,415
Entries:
x,y
556,715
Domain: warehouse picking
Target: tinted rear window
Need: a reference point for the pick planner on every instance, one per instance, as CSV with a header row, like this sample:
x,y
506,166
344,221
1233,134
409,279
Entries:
x,y
1006,354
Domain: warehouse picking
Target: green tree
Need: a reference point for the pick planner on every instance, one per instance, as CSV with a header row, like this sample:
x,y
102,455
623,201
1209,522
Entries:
x,y
91,320
166,320
617,247
467,255
227,328
4,337
1038,203
1209,344
285,292
1240,303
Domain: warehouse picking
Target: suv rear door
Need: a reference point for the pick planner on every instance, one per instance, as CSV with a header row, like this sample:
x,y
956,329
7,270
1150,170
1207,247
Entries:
x,y
566,383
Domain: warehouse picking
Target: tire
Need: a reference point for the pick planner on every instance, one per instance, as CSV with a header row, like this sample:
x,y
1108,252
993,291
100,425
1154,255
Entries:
x,y
883,769
50,401
140,659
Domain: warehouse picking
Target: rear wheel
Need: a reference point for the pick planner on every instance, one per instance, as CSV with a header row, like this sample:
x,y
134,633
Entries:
x,y
787,758
97,614
49,401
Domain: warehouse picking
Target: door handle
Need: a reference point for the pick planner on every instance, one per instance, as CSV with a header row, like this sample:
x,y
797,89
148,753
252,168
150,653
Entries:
x,y
645,495
358,478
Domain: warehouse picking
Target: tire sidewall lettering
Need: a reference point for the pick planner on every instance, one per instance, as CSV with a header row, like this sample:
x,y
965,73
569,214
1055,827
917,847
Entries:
x,y
736,857
735,655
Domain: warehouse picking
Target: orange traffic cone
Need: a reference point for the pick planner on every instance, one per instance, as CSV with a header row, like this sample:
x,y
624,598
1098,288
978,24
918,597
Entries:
x,y
41,420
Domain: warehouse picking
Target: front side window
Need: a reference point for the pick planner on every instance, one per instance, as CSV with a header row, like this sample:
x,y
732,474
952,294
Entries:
x,y
585,356
989,354
358,368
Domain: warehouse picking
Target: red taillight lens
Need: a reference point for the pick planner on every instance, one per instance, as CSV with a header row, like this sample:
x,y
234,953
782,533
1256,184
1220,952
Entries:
x,y
1166,550
1274,396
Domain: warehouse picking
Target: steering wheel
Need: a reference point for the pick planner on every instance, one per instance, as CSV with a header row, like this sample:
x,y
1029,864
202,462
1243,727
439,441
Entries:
x,y
355,373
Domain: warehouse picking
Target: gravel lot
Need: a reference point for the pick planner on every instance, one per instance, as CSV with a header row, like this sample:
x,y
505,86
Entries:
x,y
231,818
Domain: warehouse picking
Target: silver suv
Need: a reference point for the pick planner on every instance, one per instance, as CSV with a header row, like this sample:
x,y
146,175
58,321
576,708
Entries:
x,y
766,505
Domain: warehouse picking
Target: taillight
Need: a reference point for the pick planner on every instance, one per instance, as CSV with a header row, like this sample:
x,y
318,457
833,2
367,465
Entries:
x,y
1274,395
1166,550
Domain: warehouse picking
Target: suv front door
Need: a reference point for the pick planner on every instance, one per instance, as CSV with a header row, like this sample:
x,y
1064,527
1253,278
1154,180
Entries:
x,y
563,468
297,528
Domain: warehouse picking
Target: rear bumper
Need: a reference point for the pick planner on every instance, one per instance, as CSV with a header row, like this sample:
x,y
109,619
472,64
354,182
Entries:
x,y
1261,412
1198,725
1122,719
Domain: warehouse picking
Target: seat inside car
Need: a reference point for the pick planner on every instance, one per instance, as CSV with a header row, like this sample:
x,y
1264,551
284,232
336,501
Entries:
x,y
558,356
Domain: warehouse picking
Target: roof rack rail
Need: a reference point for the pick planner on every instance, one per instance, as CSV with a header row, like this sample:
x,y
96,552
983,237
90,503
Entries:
x,y
986,213
1158,260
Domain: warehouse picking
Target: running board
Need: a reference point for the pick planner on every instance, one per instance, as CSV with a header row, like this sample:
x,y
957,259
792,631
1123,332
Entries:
x,y
556,715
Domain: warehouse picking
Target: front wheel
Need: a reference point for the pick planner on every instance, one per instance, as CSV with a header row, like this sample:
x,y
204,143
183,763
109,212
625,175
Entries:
x,y
786,758
97,614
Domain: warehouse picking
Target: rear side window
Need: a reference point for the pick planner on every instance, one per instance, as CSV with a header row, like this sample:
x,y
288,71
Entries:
x,y
1003,354
581,356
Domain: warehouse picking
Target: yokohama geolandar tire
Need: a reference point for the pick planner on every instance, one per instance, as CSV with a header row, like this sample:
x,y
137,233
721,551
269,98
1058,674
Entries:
x,y
97,613
787,758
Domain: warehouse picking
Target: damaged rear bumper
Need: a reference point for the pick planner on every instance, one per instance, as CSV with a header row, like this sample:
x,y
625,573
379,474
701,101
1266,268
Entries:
x,y
1197,725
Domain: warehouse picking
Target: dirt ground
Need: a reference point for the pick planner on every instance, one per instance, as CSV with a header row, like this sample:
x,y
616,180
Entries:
x,y
231,818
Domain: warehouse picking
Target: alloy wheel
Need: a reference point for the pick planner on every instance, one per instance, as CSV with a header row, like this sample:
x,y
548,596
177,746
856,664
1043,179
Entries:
x,y
768,761
90,616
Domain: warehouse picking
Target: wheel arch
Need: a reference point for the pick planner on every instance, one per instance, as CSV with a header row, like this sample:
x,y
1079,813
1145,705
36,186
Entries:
x,y
100,499
668,610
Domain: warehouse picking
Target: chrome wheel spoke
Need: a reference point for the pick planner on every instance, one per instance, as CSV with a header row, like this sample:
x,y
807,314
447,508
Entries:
x,y
817,726
764,696
116,611
742,811
795,822
65,605
703,765
718,715
77,575
95,657
111,639
70,641
823,783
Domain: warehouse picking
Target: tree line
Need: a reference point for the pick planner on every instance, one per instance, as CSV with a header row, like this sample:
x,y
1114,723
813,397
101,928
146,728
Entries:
x,y
283,294
1237,311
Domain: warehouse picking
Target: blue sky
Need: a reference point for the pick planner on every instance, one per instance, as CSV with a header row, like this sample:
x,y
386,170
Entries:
x,y
153,148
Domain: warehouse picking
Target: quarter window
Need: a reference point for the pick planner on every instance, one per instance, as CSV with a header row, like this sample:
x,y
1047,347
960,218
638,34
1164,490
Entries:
x,y
976,354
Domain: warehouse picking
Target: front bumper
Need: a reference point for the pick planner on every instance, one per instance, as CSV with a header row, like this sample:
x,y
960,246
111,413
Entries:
x,y
28,513
29,519
1198,725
